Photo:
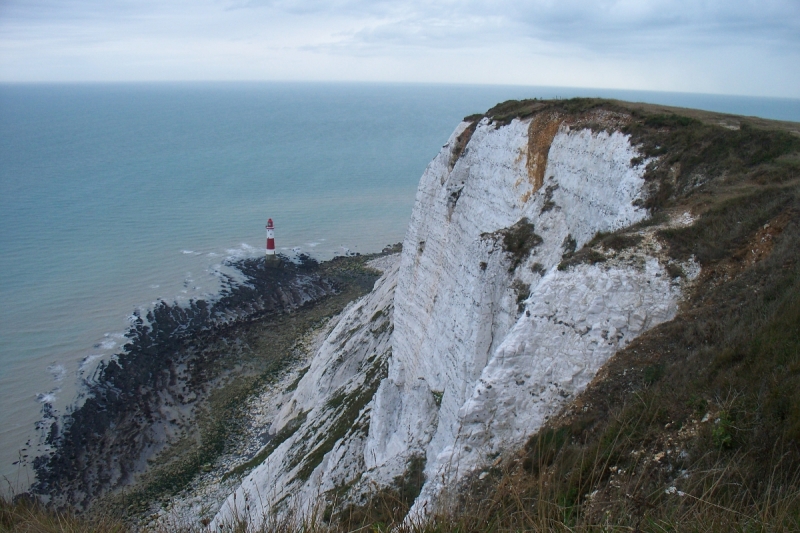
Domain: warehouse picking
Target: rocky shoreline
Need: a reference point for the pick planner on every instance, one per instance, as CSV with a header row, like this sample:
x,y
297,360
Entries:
x,y
164,410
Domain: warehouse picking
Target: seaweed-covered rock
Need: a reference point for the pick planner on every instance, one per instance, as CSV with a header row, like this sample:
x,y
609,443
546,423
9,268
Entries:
x,y
139,400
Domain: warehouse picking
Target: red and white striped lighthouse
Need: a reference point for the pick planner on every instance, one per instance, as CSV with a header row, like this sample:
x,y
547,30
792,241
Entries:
x,y
270,238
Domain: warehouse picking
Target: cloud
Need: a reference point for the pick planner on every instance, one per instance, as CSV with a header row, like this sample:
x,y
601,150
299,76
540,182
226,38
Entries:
x,y
611,25
338,7
672,44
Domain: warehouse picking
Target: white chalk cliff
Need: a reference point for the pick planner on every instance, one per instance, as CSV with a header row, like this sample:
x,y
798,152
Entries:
x,y
464,349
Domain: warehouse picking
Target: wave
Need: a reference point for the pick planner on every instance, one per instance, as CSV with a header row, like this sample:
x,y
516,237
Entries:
x,y
88,360
58,371
47,397
243,251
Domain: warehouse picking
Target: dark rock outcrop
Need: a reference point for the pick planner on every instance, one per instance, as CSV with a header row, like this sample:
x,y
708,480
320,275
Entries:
x,y
138,400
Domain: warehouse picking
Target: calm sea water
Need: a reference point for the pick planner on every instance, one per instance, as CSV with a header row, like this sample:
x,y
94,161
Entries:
x,y
112,196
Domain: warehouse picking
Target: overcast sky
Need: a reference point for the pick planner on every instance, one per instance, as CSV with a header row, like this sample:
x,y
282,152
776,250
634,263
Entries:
x,y
716,46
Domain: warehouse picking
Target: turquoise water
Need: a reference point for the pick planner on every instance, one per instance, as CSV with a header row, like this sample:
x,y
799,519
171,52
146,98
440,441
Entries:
x,y
112,196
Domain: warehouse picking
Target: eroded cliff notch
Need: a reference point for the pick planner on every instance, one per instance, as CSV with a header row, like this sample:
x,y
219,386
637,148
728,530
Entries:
x,y
541,132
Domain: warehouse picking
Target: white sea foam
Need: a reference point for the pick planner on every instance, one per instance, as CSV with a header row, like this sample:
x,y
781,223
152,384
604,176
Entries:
x,y
47,397
108,344
244,250
58,371
88,360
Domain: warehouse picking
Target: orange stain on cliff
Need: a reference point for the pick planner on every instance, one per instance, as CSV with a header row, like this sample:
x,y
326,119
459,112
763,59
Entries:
x,y
541,132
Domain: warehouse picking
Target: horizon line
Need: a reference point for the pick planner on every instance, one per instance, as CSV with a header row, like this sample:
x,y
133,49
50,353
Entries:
x,y
387,82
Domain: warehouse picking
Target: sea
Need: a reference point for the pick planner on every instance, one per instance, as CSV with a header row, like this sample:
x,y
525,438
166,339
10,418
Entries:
x,y
116,196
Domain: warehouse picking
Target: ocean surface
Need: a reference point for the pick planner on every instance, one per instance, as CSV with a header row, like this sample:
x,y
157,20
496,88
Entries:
x,y
113,196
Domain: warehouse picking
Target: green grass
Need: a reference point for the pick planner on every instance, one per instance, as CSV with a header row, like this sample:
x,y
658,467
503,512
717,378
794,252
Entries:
x,y
523,291
462,141
279,438
518,241
728,225
693,153
503,113
344,409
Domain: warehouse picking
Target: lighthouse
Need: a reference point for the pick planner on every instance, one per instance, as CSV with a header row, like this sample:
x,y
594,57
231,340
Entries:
x,y
270,239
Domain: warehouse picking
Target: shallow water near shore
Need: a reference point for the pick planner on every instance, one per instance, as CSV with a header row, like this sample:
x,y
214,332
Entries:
x,y
113,196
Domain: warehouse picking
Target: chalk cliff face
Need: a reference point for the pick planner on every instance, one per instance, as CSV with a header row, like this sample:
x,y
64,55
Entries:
x,y
476,336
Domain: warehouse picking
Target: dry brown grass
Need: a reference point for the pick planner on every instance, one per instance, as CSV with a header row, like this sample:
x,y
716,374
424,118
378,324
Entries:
x,y
27,516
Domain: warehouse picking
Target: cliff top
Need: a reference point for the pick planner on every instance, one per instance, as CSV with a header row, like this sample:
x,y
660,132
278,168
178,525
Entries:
x,y
506,111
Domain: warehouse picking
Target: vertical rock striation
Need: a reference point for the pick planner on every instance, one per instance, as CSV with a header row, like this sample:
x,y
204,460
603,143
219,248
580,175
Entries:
x,y
319,433
490,336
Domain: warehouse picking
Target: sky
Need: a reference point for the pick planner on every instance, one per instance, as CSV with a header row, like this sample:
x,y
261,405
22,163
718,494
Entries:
x,y
743,47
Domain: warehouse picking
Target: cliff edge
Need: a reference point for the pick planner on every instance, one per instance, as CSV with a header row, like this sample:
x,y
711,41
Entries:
x,y
531,258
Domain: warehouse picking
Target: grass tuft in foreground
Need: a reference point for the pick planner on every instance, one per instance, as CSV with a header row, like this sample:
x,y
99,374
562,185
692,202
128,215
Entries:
x,y
23,515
